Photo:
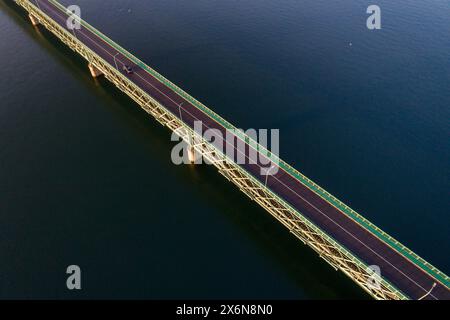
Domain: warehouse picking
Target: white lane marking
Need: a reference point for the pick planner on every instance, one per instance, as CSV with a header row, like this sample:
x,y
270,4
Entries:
x,y
287,187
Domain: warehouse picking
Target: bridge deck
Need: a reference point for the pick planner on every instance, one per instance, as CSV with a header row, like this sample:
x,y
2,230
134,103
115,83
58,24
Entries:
x,y
405,272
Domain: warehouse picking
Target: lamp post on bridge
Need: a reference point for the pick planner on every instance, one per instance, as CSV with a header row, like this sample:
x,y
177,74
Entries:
x,y
179,109
75,35
115,62
267,174
429,292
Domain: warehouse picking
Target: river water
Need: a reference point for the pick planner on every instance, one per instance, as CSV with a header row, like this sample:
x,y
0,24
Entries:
x,y
86,176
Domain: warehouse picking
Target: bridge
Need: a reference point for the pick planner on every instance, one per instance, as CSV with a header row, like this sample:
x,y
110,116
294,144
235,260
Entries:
x,y
342,237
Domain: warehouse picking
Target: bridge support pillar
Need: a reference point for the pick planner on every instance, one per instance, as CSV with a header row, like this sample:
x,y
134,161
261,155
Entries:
x,y
94,71
34,20
192,154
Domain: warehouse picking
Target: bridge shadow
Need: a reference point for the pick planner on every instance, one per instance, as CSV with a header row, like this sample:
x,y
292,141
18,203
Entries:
x,y
304,268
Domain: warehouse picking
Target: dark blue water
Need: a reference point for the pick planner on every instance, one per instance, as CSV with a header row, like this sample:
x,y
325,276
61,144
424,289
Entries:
x,y
86,177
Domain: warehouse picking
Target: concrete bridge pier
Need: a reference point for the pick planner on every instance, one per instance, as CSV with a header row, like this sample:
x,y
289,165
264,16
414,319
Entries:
x,y
34,20
192,154
94,71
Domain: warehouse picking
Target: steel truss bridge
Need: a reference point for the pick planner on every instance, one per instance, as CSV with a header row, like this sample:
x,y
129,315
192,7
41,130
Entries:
x,y
341,236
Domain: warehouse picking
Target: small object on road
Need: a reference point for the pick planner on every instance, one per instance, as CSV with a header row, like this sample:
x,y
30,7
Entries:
x,y
127,69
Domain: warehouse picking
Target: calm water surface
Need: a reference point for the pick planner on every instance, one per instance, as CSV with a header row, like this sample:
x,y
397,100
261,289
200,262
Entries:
x,y
86,177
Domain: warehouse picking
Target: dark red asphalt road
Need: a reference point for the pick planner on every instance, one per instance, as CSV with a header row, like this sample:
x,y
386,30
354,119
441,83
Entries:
x,y
406,276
